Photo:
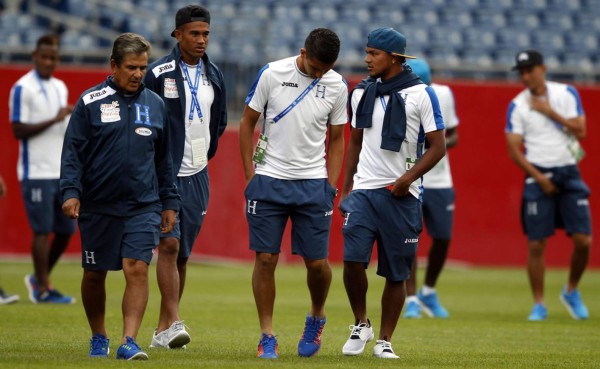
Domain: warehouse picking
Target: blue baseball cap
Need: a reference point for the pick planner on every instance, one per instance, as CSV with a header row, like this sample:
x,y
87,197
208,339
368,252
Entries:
x,y
390,40
421,68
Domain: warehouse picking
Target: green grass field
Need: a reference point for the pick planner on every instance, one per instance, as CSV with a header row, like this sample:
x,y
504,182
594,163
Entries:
x,y
487,327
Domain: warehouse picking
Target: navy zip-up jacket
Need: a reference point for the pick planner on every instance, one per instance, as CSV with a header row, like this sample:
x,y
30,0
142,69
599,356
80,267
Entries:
x,y
115,156
169,67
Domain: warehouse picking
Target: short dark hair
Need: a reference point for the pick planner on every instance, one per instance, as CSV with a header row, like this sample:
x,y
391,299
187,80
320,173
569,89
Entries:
x,y
47,40
129,43
322,44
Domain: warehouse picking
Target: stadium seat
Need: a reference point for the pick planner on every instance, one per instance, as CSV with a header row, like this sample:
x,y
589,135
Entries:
x,y
513,38
528,5
478,32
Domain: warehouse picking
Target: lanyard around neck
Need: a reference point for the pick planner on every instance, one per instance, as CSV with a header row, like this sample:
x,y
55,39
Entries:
x,y
295,102
194,104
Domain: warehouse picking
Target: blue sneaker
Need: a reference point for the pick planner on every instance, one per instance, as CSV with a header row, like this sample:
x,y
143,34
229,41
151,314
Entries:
x,y
131,351
413,310
268,348
54,297
51,296
99,346
310,342
574,305
431,306
538,313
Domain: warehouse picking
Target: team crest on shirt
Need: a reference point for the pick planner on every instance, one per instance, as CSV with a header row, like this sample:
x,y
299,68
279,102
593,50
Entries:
x,y
171,89
110,112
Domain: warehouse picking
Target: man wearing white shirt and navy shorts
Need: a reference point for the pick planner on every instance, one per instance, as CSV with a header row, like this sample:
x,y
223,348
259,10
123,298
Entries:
x,y
547,119
393,113
38,113
438,208
293,174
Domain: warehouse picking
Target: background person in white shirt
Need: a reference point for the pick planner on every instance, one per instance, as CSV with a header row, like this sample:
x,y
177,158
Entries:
x,y
38,111
438,208
293,175
547,121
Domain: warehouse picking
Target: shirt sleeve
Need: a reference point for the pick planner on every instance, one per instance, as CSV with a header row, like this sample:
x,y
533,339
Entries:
x,y
514,122
356,96
258,96
339,113
447,106
73,152
431,114
573,107
167,190
19,104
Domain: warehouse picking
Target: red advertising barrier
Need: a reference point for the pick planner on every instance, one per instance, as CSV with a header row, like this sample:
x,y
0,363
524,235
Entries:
x,y
488,185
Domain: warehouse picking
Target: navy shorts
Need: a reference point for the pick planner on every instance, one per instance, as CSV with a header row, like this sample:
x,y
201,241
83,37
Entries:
x,y
106,239
569,209
438,212
43,204
270,202
394,222
194,193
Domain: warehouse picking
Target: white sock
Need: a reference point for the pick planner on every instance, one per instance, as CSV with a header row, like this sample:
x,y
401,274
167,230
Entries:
x,y
412,298
426,290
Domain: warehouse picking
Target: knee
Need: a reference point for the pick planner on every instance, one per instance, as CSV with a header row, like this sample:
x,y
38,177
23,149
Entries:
x,y
317,266
536,248
440,245
94,277
582,242
168,246
182,263
266,261
135,268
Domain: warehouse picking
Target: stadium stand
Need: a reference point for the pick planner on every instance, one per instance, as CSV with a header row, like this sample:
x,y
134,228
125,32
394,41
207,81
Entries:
x,y
458,37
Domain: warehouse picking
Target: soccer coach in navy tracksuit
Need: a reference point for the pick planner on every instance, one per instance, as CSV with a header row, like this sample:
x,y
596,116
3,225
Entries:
x,y
117,178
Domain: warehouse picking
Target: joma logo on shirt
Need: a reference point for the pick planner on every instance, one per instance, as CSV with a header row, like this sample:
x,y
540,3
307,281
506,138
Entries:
x,y
411,240
97,94
165,67
289,84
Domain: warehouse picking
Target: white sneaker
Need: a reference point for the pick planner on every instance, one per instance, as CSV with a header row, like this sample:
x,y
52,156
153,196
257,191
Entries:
x,y
159,339
173,337
361,334
7,298
383,349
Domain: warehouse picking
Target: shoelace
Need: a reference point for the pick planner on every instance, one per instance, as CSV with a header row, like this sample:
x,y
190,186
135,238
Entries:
x,y
178,325
387,347
356,330
132,344
268,343
97,344
313,330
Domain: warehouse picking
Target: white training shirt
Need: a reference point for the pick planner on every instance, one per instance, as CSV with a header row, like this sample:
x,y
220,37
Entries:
x,y
379,168
197,132
546,142
34,100
440,176
296,143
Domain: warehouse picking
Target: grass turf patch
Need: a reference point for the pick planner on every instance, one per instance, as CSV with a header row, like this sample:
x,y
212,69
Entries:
x,y
487,327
